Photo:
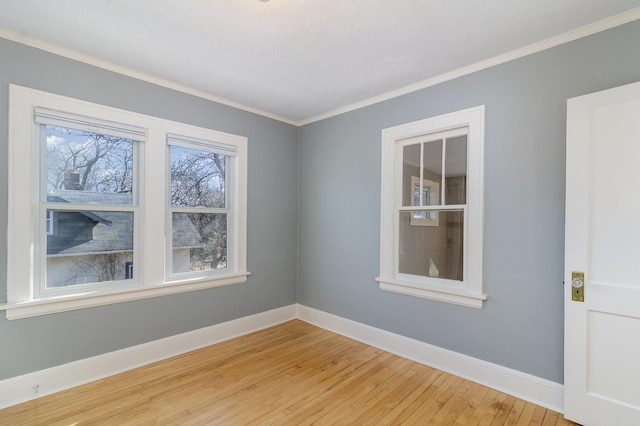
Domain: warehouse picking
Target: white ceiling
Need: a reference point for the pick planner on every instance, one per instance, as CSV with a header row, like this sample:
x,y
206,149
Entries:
x,y
296,60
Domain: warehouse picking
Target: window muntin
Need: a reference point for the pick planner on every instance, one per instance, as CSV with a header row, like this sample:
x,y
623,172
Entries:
x,y
137,206
431,217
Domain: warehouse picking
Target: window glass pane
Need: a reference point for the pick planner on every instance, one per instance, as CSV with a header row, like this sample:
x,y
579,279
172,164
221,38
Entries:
x,y
456,170
88,168
431,244
199,241
410,169
197,178
432,171
89,247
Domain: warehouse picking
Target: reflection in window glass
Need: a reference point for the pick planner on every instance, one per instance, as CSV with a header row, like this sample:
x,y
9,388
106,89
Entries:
x,y
428,195
432,161
432,251
410,168
456,170
431,241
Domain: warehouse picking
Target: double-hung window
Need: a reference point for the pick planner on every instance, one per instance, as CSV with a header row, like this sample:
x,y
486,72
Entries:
x,y
107,205
432,205
88,189
200,206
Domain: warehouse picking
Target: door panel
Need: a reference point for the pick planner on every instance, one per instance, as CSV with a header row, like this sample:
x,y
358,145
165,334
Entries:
x,y
613,374
614,203
602,334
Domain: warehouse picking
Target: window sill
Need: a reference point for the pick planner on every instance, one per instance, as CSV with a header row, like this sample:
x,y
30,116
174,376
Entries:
x,y
462,298
65,303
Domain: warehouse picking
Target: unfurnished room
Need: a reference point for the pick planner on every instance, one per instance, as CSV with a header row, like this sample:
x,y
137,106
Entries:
x,y
296,212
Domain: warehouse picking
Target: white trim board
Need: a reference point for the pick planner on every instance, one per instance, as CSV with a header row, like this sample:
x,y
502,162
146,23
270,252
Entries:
x,y
524,386
34,385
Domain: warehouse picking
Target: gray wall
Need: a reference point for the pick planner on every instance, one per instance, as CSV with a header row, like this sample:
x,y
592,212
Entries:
x,y
521,324
336,210
31,344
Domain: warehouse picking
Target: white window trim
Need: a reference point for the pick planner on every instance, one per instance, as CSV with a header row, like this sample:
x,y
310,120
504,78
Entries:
x,y
469,291
24,225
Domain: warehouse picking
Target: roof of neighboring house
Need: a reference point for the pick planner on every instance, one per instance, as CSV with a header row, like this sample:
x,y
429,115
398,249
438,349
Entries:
x,y
113,231
91,197
90,215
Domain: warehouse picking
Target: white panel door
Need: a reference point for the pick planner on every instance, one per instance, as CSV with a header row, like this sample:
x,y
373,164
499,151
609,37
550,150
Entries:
x,y
602,240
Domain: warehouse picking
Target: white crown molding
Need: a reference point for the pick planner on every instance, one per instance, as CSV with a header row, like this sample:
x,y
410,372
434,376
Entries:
x,y
576,34
524,386
87,59
587,30
34,385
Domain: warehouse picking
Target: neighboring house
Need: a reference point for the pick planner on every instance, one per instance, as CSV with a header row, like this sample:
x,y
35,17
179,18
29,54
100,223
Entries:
x,y
84,247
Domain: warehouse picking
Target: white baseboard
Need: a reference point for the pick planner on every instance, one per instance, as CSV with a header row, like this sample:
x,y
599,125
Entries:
x,y
30,386
516,383
34,385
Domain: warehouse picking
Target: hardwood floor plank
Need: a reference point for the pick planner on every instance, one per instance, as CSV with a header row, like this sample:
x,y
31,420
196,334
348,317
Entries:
x,y
501,416
515,413
538,416
390,395
525,416
428,408
550,419
408,403
290,374
452,408
474,403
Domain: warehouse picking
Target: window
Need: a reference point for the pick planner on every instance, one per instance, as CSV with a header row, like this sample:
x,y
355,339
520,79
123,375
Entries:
x,y
89,180
431,218
199,206
86,184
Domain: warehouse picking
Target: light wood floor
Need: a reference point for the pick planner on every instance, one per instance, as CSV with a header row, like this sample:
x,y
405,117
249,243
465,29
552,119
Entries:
x,y
291,374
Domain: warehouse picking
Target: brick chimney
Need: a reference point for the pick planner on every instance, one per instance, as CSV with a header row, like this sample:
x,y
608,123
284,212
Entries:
x,y
72,180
